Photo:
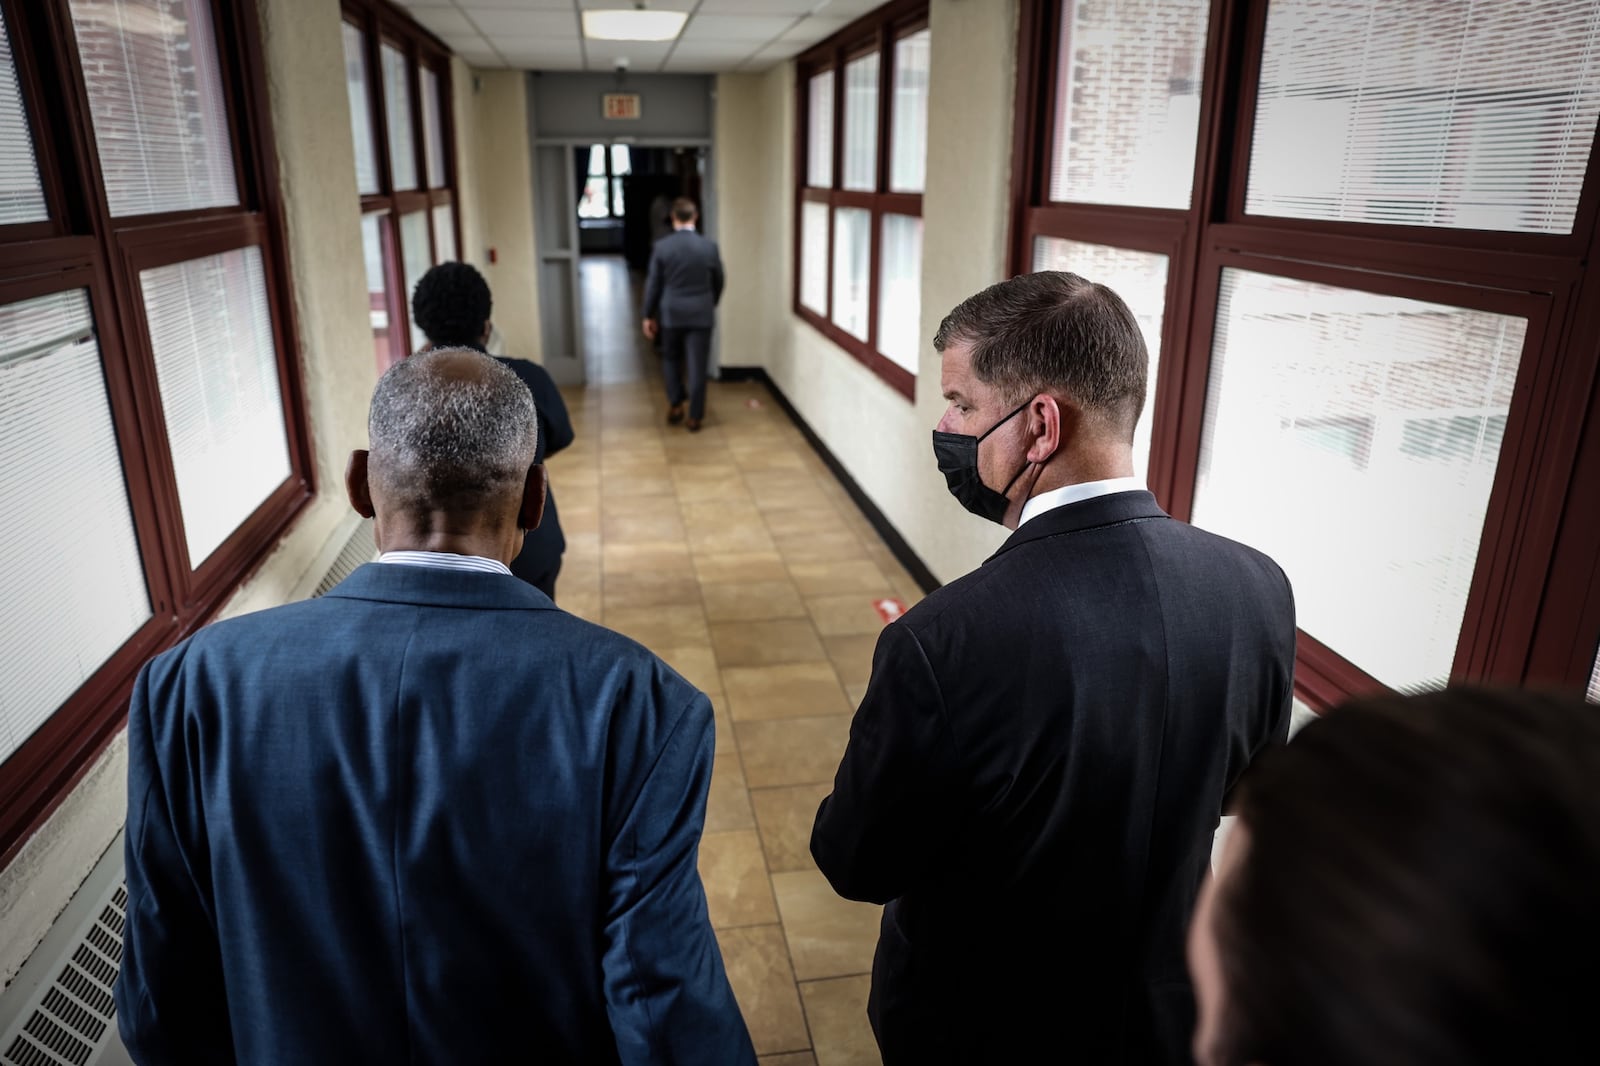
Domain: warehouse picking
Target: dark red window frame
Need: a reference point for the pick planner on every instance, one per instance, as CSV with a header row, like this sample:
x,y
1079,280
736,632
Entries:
x,y
82,247
877,32
1533,612
381,23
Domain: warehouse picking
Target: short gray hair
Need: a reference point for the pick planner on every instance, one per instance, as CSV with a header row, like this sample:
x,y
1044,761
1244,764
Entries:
x,y
440,440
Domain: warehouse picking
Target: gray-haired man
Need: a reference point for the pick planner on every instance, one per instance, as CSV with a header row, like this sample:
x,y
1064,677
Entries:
x,y
428,817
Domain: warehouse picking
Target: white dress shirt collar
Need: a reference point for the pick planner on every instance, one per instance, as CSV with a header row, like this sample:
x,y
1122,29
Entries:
x,y
1088,490
446,561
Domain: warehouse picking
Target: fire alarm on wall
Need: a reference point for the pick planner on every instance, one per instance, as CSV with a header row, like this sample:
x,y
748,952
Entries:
x,y
494,256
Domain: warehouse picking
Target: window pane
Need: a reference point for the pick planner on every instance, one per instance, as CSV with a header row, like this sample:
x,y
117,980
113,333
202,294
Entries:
x,y
852,254
593,204
1354,439
909,145
617,207
1594,682
861,124
433,128
1468,116
814,256
376,258
397,99
217,368
73,589
819,132
444,233
21,194
621,160
900,290
415,259
355,79
1128,102
1140,278
597,160
155,93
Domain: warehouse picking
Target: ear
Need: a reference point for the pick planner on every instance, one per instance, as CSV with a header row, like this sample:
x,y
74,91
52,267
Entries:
x,y
355,483
488,331
1051,422
533,491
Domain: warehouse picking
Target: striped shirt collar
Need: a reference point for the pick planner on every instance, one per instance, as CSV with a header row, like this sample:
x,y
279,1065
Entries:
x,y
446,561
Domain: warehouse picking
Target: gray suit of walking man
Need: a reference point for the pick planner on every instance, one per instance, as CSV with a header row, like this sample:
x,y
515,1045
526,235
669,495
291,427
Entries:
x,y
680,305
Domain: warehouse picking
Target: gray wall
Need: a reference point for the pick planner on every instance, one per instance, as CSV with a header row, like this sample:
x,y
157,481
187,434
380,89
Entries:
x,y
672,106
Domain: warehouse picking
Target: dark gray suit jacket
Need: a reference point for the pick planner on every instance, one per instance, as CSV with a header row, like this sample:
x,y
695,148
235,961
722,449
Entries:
x,y
684,283
1034,776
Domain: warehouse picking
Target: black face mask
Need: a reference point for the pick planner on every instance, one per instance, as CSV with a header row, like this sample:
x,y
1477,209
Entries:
x,y
957,455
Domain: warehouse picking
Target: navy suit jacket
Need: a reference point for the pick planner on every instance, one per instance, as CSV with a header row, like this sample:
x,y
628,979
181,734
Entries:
x,y
1034,776
542,547
684,282
427,818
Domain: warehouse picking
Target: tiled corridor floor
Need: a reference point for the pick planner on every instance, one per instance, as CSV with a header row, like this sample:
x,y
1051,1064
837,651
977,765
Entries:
x,y
736,556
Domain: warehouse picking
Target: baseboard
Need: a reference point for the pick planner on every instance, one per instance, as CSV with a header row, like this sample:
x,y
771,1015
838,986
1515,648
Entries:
x,y
897,544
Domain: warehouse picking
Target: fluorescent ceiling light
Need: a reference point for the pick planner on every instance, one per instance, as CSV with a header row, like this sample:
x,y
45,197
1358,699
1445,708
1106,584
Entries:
x,y
633,24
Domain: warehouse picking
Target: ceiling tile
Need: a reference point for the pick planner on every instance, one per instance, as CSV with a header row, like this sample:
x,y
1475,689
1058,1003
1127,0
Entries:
x,y
513,5
462,43
772,55
642,56
526,23
792,8
558,61
658,5
753,28
482,58
543,43
817,28
445,21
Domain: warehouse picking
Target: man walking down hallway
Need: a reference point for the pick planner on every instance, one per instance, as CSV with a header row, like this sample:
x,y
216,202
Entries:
x,y
681,291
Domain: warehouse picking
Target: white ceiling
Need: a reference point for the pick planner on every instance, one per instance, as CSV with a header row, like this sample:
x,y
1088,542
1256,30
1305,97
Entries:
x,y
720,36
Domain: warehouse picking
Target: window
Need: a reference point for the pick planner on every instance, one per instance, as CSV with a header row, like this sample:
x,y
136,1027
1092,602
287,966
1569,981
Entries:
x,y
864,115
602,189
399,81
146,360
1357,264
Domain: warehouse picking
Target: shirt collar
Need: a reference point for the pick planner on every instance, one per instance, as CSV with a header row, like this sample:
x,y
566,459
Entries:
x,y
1087,490
446,561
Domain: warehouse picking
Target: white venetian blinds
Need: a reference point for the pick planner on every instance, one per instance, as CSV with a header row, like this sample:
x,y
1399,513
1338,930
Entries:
x,y
155,94
21,195
70,575
218,372
1477,114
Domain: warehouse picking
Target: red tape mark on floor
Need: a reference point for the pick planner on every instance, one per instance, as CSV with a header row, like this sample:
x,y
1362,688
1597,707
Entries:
x,y
889,609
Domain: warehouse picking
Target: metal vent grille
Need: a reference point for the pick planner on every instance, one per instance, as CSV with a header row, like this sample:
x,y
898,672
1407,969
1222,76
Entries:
x,y
360,548
74,1016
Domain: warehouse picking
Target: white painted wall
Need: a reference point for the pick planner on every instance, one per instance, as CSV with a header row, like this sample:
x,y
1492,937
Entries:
x,y
882,439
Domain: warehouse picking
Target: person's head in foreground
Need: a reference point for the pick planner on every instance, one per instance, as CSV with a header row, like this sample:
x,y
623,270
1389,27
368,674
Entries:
x,y
1413,880
1045,376
452,304
451,463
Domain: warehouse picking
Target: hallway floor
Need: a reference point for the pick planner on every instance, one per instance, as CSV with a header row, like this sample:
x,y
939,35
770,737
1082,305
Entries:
x,y
736,556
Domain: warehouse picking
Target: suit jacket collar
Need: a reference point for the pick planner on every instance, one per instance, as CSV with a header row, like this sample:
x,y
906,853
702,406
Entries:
x,y
430,586
1089,514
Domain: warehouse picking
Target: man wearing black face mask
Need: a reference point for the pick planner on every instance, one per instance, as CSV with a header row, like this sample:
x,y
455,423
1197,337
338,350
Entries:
x,y
1035,773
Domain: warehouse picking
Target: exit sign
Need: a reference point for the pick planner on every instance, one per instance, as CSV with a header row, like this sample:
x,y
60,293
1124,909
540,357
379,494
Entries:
x,y
620,105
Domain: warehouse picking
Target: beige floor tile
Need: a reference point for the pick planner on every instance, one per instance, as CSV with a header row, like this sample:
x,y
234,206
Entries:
x,y
845,614
836,1012
647,589
663,558
740,566
750,457
794,1058
852,656
696,662
734,872
651,479
819,547
662,626
783,690
728,805
660,525
804,520
857,693
709,481
760,643
829,936
785,817
757,961
576,520
849,575
585,605
752,601
792,751
707,538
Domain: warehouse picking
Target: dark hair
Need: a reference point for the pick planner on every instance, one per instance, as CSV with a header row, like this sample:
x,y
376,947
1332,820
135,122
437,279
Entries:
x,y
683,209
451,305
1055,332
1420,886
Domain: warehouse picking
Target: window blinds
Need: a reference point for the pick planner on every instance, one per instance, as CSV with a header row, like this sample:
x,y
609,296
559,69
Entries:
x,y
432,127
415,259
900,290
355,79
1354,438
819,131
217,369
861,124
70,572
397,104
21,195
908,147
852,259
1478,114
814,256
155,95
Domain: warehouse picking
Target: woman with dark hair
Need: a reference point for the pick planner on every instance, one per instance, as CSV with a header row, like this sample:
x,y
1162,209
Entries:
x,y
1413,880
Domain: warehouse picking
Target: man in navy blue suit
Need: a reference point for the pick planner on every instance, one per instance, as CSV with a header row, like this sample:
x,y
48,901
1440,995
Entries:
x,y
429,817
